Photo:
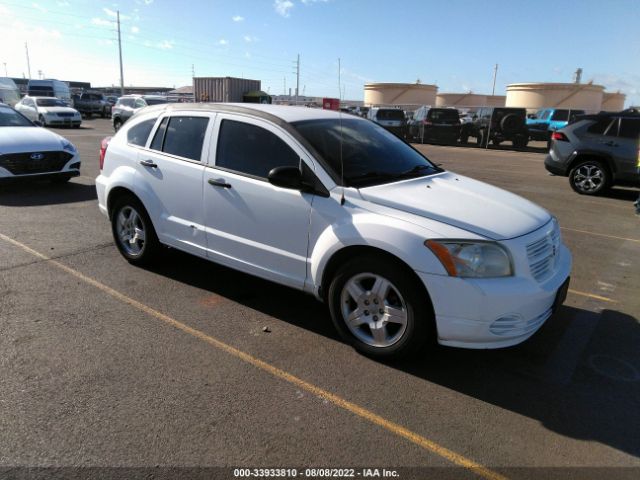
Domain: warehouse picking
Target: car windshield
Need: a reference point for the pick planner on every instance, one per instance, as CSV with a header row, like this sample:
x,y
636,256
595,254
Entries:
x,y
50,102
370,154
10,118
155,101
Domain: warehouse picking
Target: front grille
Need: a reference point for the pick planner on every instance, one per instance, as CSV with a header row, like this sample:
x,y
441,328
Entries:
x,y
65,114
543,254
23,164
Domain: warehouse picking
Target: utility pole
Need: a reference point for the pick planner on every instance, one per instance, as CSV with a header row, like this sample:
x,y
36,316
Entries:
x,y
26,47
339,80
120,53
495,75
5,69
284,91
193,70
297,78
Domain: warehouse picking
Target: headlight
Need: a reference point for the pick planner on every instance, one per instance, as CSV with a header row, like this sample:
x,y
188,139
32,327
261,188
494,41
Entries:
x,y
68,146
476,259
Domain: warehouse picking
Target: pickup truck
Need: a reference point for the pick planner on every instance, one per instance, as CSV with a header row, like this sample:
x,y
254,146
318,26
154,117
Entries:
x,y
90,103
548,120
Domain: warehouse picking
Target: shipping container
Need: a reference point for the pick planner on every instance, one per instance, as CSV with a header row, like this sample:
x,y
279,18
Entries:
x,y
331,103
223,89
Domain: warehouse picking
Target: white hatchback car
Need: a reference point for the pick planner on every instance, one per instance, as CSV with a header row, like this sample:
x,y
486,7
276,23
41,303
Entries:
x,y
402,251
49,111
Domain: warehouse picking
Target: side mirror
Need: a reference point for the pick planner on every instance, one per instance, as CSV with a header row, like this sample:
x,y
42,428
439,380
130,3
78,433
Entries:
x,y
286,177
37,123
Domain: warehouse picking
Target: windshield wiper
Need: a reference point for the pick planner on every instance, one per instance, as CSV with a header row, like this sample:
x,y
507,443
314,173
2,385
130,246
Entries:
x,y
415,170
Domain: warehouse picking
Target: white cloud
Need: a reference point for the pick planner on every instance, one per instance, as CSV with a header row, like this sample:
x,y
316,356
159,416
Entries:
x,y
237,18
101,22
309,2
166,44
148,2
38,7
222,41
135,29
250,39
283,7
63,3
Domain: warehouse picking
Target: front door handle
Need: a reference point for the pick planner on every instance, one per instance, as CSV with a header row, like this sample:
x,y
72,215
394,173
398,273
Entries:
x,y
148,163
610,144
219,182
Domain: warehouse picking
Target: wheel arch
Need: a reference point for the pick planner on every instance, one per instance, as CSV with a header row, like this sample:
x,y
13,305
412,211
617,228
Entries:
x,y
346,253
582,155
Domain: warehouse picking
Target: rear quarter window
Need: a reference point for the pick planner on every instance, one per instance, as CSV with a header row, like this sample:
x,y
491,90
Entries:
x,y
391,114
138,134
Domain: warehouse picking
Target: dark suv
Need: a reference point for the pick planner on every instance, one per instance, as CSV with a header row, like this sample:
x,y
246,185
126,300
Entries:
x,y
597,151
437,125
497,124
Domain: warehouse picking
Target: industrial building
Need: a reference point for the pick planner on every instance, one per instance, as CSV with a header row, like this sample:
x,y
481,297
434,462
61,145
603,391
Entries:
x,y
583,96
223,89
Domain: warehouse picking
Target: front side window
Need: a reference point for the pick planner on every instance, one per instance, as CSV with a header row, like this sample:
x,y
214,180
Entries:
x,y
138,134
140,103
184,136
252,150
127,102
613,129
370,154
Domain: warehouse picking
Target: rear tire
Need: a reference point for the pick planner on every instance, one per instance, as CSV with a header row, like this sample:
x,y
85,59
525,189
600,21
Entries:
x,y
117,123
590,177
481,139
398,325
133,231
520,141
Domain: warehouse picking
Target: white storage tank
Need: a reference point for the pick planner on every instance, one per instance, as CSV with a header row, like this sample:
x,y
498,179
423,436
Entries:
x,y
613,102
533,96
399,94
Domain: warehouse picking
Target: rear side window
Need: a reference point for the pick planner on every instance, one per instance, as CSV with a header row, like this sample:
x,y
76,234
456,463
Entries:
x,y
630,128
600,126
252,150
158,139
138,134
613,128
184,137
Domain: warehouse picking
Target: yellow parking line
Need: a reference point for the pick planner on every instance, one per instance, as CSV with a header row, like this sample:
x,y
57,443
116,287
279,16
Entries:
x,y
601,234
340,402
591,295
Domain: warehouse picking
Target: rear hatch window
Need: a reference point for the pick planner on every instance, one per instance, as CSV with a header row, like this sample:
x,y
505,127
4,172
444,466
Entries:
x,y
447,115
390,114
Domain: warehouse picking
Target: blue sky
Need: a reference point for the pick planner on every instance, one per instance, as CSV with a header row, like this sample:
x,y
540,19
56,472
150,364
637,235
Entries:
x,y
453,43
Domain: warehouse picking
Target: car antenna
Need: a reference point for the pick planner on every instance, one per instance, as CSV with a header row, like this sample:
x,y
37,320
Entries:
x,y
340,117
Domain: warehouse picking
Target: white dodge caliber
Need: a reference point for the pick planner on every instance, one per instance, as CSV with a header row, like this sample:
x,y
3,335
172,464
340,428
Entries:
x,y
402,251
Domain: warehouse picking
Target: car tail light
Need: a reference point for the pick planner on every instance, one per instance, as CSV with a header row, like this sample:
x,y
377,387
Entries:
x,y
103,150
559,136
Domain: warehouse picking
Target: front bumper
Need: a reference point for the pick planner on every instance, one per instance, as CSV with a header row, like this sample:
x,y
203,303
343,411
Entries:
x,y
39,176
494,313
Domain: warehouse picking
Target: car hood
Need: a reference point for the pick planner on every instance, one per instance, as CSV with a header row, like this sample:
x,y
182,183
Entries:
x,y
57,109
462,202
28,139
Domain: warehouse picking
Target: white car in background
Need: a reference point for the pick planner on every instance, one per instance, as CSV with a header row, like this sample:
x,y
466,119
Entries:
x,y
402,251
49,111
31,152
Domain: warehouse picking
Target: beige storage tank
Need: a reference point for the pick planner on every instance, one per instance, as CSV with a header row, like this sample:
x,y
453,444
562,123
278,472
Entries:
x,y
496,100
613,102
399,94
460,100
583,96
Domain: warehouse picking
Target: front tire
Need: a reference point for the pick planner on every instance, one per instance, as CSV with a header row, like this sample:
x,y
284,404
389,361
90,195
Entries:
x,y
117,123
133,231
42,121
379,309
589,177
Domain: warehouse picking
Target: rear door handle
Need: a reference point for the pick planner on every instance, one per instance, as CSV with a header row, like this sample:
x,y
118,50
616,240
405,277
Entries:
x,y
219,182
610,144
148,163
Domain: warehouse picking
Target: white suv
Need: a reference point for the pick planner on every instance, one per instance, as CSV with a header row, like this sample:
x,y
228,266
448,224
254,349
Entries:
x,y
401,250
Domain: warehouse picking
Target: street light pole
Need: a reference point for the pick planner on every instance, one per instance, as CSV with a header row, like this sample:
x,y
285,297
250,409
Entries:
x,y
120,53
